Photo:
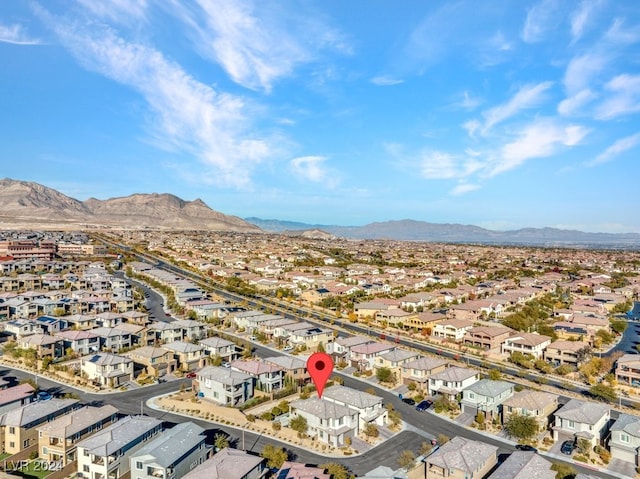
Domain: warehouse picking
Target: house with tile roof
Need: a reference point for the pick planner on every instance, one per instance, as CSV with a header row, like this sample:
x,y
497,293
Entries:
x,y
420,370
156,361
172,454
524,465
81,342
16,396
627,369
369,407
224,385
526,343
624,442
58,439
297,470
329,422
363,356
486,396
107,369
582,420
452,381
573,353
295,369
267,376
231,464
189,356
106,453
461,458
537,404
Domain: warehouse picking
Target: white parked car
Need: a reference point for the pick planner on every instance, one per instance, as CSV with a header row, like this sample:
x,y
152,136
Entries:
x,y
288,348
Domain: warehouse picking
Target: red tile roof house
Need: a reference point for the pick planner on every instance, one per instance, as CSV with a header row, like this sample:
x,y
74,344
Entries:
x,y
16,396
267,376
488,338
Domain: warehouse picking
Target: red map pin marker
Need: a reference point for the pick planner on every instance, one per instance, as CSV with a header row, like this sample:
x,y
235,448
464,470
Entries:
x,y
320,367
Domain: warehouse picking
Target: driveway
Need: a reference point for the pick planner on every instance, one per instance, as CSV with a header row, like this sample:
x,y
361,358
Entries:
x,y
622,467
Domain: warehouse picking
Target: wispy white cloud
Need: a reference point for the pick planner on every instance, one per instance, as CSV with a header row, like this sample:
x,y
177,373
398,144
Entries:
x,y
385,81
312,168
438,165
467,101
540,18
617,148
624,97
122,11
539,139
463,188
189,117
526,97
581,17
15,34
621,35
573,105
255,43
581,71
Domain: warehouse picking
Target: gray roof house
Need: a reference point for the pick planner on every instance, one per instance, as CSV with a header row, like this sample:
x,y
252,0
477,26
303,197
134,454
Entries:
x,y
524,465
369,406
624,442
106,454
330,422
224,385
172,454
487,396
461,458
581,419
230,464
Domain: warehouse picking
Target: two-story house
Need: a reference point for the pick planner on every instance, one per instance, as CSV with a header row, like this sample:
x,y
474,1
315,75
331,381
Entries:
x,y
329,422
189,356
107,369
172,454
224,385
340,348
114,339
486,396
267,376
58,439
562,352
461,458
524,465
624,442
582,420
81,342
19,426
156,361
420,370
537,404
452,329
105,455
628,369
16,396
488,338
395,360
295,369
44,345
526,343
363,356
221,348
369,407
452,381
311,338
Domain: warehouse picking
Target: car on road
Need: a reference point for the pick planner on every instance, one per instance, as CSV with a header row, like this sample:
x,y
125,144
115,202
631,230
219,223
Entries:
x,y
424,405
568,447
226,364
526,447
252,338
409,401
190,375
288,348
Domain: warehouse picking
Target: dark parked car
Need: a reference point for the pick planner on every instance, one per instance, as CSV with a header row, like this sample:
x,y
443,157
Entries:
x,y
568,447
526,447
44,396
424,405
409,401
191,375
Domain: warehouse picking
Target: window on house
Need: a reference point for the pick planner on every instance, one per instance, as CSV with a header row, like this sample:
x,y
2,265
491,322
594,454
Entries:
x,y
571,424
12,444
85,468
139,465
12,430
624,437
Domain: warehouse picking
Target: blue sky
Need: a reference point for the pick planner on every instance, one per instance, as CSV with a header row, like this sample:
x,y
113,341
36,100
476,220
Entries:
x,y
499,113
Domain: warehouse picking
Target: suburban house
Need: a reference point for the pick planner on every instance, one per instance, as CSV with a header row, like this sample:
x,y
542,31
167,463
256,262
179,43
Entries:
x,y
107,369
488,338
105,455
624,442
486,396
171,454
420,370
45,346
524,465
628,369
452,381
81,342
223,385
221,348
526,343
329,422
368,406
461,458
50,325
295,369
452,329
297,470
267,376
363,356
163,332
16,396
19,425
582,420
394,360
230,464
340,349
113,339
20,327
310,338
157,361
538,404
572,353
57,440
191,329
189,356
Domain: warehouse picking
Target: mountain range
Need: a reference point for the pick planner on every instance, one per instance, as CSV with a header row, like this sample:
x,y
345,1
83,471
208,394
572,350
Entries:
x,y
31,205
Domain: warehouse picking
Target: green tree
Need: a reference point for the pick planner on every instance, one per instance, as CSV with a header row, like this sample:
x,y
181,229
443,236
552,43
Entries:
x,y
220,441
521,427
494,375
563,470
275,456
299,424
335,470
384,375
406,459
604,392
618,326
